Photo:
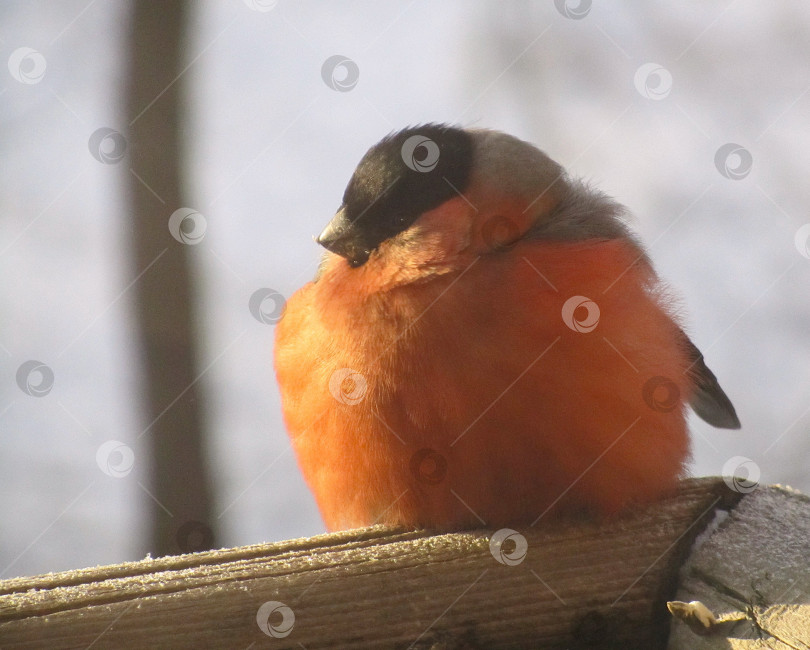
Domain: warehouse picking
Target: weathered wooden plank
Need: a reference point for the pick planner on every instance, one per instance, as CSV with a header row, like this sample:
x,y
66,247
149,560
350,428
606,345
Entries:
x,y
751,568
571,585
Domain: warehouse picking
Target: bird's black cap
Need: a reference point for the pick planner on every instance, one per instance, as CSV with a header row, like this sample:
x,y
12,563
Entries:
x,y
402,176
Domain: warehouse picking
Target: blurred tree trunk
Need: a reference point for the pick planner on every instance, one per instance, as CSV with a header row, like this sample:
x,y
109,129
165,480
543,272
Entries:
x,y
179,486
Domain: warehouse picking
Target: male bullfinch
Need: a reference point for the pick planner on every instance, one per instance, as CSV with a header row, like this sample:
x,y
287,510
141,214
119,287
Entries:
x,y
485,344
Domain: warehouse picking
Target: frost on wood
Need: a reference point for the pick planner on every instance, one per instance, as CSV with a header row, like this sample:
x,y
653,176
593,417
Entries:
x,y
563,584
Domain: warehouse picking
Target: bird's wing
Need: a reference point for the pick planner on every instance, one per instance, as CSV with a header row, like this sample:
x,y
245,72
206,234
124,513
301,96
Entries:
x,y
709,400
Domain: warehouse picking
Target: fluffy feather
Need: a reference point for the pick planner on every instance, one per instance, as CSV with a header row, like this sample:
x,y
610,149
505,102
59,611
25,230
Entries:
x,y
435,379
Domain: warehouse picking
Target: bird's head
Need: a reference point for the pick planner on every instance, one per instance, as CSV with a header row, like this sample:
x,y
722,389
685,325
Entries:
x,y
430,193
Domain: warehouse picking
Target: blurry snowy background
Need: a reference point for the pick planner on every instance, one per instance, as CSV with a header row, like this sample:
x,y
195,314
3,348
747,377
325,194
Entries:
x,y
637,97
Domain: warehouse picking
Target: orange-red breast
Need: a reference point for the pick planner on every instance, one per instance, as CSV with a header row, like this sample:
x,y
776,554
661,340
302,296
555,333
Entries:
x,y
485,343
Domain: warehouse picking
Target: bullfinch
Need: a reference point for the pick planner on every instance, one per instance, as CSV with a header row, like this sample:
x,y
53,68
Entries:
x,y
486,343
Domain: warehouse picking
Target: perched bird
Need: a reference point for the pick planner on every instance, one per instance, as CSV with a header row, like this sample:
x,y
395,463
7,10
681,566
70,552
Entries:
x,y
485,344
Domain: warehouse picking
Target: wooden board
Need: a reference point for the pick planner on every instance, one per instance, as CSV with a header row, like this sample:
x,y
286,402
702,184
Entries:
x,y
752,570
573,585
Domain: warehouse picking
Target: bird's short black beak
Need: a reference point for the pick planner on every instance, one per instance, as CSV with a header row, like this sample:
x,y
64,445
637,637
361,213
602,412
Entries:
x,y
342,238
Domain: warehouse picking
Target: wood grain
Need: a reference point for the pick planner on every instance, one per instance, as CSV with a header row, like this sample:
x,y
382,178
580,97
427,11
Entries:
x,y
580,585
